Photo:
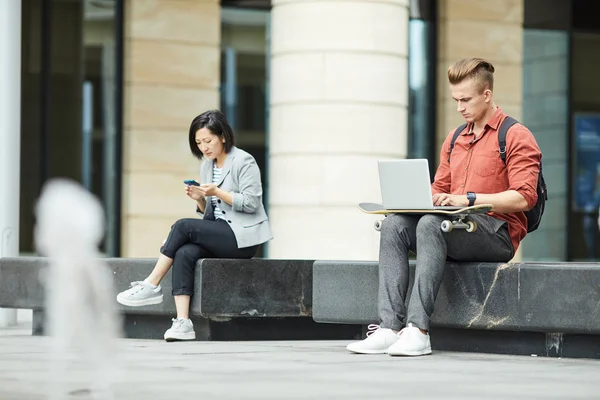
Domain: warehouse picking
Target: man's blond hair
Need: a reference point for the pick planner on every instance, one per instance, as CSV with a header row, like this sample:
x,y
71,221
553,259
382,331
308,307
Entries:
x,y
482,71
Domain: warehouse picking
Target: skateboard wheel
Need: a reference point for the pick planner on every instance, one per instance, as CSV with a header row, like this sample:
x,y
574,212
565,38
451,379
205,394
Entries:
x,y
446,226
471,226
377,225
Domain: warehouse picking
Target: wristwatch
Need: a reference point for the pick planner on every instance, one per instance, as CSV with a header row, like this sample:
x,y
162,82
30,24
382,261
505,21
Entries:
x,y
471,196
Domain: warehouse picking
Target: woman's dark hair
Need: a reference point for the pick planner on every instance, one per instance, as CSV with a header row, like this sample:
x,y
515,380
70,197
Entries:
x,y
217,124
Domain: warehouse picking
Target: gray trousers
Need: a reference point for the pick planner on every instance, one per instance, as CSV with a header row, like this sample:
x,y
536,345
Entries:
x,y
423,236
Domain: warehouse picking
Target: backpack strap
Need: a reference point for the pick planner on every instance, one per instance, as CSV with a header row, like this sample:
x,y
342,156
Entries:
x,y
504,127
455,136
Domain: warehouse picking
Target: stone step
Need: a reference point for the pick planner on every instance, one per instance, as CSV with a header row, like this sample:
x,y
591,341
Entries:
x,y
537,297
273,296
550,309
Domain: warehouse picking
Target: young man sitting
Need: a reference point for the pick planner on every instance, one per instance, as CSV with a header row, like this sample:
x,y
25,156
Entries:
x,y
472,172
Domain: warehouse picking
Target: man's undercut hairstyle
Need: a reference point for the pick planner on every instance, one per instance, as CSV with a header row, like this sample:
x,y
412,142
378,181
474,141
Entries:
x,y
480,70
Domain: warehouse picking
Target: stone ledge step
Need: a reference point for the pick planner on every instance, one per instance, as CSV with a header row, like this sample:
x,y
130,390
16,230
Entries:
x,y
533,297
225,288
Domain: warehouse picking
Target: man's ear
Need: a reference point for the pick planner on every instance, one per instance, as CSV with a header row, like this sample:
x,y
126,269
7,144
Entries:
x,y
487,95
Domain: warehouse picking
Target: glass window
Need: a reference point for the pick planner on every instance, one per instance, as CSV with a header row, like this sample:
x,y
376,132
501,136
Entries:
x,y
70,104
422,81
244,83
545,113
584,238
560,105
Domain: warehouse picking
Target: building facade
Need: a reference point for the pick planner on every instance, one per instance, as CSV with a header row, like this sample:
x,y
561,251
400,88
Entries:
x,y
317,91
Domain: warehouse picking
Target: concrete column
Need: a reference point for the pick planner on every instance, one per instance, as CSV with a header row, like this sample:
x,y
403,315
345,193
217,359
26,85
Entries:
x,y
171,72
339,95
491,30
10,135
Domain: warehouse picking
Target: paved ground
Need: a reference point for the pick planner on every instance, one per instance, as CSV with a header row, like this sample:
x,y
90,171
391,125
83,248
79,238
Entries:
x,y
295,370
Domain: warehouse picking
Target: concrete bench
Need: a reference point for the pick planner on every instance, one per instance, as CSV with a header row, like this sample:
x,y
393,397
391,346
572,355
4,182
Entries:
x,y
550,309
254,299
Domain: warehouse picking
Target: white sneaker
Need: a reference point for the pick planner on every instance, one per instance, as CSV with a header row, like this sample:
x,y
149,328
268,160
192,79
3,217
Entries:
x,y
377,342
182,329
141,294
411,342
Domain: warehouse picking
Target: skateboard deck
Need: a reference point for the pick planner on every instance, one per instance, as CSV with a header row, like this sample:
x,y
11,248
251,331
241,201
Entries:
x,y
457,218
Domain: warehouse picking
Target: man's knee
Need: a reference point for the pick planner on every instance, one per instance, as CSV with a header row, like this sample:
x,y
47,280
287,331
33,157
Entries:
x,y
393,223
429,224
395,230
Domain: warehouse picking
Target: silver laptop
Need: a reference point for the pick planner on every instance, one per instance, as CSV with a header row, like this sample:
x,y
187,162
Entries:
x,y
406,185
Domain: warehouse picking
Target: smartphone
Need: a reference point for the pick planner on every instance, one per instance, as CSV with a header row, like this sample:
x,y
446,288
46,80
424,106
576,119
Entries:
x,y
191,182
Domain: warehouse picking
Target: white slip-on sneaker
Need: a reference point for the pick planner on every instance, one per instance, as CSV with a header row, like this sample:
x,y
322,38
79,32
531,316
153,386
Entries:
x,y
182,329
377,342
411,342
141,294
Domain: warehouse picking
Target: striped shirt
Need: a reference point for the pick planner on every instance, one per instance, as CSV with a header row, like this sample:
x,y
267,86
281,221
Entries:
x,y
216,178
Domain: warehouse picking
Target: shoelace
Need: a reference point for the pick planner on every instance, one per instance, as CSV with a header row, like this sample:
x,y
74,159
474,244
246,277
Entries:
x,y
138,285
177,322
142,284
372,329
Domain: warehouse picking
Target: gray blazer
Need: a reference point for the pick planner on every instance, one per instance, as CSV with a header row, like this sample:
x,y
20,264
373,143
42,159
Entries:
x,y
247,216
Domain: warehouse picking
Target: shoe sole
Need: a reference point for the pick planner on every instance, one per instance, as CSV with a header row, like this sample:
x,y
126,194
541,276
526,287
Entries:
x,y
411,353
176,338
140,303
367,351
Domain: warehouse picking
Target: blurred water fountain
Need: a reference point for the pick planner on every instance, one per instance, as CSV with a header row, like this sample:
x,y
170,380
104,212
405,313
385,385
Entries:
x,y
81,315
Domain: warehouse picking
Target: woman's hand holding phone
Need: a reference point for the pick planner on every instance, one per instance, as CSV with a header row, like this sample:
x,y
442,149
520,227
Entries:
x,y
193,190
198,191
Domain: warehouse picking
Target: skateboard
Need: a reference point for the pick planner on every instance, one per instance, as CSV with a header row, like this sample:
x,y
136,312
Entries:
x,y
458,219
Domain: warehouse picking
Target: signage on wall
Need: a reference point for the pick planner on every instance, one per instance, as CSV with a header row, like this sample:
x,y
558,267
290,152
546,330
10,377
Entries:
x,y
587,163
